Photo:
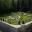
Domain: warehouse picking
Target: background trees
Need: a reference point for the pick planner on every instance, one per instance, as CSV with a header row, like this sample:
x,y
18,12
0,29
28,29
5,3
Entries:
x,y
5,5
14,5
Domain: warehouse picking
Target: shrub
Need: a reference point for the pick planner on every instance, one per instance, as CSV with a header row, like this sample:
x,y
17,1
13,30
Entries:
x,y
19,22
23,22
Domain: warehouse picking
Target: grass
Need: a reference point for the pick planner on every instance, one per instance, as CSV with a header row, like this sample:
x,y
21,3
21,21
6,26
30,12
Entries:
x,y
24,18
10,21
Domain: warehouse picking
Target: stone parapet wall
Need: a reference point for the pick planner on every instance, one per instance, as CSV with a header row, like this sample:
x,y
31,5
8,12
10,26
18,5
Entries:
x,y
16,28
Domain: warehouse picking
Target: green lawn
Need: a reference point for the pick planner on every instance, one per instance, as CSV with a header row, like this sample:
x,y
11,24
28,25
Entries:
x,y
24,18
10,21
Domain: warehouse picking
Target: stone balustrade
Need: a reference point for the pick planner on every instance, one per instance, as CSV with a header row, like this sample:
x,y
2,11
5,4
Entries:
x,y
27,27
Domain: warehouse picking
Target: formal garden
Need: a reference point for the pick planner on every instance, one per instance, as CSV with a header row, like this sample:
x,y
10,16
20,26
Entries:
x,y
15,11
14,18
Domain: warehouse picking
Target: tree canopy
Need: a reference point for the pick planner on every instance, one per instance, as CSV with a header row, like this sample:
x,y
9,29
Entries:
x,y
17,5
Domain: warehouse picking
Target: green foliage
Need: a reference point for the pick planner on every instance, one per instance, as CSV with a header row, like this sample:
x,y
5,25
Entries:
x,y
18,4
23,22
19,22
25,4
7,4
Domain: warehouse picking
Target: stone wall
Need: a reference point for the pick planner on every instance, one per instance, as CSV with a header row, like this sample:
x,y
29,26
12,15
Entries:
x,y
27,27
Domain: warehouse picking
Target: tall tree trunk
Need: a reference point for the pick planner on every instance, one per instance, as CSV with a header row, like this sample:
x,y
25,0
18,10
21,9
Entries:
x,y
19,5
13,4
22,5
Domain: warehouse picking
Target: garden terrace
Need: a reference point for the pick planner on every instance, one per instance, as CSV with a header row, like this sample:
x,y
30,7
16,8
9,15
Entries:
x,y
14,18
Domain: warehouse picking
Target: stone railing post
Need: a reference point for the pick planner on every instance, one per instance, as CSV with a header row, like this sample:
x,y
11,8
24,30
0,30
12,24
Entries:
x,y
23,28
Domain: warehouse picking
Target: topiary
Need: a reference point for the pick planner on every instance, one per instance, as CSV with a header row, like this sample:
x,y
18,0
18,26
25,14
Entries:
x,y
23,22
19,22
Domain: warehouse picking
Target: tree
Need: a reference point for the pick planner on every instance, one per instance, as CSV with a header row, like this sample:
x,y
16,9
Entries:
x,y
5,4
19,4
